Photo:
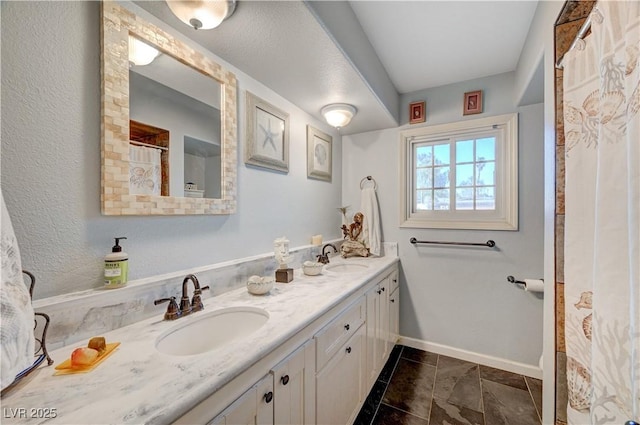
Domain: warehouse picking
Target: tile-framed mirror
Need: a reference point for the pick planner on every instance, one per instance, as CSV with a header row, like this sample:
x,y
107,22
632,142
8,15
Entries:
x,y
129,188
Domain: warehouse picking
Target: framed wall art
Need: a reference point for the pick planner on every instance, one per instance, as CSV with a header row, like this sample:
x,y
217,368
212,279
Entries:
x,y
267,131
472,102
318,154
417,112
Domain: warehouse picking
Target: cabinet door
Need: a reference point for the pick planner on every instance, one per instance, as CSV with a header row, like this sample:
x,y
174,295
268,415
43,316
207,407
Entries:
x,y
253,407
372,335
383,337
394,316
339,385
294,389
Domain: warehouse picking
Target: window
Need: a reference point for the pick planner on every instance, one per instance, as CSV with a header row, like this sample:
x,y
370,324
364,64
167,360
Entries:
x,y
461,175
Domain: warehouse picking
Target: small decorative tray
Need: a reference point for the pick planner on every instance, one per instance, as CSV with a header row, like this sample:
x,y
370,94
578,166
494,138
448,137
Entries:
x,y
65,367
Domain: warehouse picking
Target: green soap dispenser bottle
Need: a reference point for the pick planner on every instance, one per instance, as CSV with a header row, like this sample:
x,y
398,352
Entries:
x,y
116,267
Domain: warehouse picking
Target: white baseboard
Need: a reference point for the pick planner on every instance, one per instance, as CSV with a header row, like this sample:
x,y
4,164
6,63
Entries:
x,y
483,359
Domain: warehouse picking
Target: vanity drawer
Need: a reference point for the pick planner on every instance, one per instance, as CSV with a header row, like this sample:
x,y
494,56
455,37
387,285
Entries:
x,y
331,337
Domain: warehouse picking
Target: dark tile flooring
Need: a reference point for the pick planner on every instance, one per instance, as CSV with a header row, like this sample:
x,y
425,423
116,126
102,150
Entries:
x,y
420,388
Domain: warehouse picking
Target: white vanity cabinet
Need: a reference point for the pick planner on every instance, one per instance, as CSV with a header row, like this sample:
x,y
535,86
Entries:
x,y
294,389
322,374
254,407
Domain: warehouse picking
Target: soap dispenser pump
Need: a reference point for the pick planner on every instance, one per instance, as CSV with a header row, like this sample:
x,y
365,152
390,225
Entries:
x,y
116,267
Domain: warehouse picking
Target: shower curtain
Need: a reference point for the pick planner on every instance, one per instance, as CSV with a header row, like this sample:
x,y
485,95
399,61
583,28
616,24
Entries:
x,y
145,171
602,218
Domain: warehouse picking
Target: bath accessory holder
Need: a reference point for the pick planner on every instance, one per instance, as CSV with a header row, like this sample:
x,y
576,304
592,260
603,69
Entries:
x,y
41,352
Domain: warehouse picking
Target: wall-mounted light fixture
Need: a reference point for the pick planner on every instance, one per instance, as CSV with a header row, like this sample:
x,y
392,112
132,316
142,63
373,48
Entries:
x,y
202,14
338,115
140,53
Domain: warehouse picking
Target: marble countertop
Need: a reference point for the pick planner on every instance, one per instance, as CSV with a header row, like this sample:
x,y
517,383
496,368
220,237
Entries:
x,y
138,384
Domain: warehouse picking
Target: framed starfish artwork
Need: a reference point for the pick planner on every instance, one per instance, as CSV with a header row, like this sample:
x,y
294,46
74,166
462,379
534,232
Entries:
x,y
267,144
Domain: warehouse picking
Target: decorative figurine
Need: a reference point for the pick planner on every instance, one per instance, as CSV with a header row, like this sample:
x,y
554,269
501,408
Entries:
x,y
281,253
354,245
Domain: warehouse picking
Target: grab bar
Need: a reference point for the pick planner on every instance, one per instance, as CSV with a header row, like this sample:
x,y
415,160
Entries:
x,y
490,243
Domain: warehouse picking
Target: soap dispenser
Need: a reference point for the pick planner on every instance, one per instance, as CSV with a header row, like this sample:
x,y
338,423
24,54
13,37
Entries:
x,y
116,267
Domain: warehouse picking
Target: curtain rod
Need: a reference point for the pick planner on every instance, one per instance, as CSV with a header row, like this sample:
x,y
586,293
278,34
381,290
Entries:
x,y
584,29
134,142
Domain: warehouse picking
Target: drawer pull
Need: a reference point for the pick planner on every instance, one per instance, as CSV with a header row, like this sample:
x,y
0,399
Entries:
x,y
348,350
268,397
285,379
346,327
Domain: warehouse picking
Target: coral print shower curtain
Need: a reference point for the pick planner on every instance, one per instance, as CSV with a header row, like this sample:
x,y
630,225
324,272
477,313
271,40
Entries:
x,y
602,218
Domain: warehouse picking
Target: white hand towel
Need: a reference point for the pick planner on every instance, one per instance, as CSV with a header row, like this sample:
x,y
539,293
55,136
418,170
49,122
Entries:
x,y
16,329
371,223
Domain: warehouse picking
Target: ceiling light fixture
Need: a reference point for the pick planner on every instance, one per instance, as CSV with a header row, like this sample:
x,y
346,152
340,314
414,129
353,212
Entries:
x,y
140,53
202,14
338,115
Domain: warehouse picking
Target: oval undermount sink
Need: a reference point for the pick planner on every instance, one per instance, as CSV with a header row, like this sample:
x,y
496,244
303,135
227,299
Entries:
x,y
205,332
346,268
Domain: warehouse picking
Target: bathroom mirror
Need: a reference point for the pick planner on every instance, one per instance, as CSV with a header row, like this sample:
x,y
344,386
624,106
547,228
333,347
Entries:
x,y
157,160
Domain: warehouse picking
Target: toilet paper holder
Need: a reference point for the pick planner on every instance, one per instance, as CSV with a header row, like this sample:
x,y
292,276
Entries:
x,y
521,284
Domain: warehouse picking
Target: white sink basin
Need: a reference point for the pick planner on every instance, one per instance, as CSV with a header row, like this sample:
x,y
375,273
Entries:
x,y
346,268
204,331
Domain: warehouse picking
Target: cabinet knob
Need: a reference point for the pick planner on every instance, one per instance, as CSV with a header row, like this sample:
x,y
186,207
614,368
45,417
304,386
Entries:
x,y
346,327
285,379
348,350
268,397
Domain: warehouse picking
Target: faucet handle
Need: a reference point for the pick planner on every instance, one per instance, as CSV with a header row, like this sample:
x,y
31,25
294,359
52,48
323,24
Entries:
x,y
196,302
173,312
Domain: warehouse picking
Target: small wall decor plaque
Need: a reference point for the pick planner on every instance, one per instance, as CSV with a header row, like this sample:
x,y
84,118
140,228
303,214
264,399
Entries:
x,y
417,112
472,102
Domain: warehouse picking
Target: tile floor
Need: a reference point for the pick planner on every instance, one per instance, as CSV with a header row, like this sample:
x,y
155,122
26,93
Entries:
x,y
420,388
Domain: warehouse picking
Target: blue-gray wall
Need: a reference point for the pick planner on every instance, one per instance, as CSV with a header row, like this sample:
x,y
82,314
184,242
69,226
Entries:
x,y
459,297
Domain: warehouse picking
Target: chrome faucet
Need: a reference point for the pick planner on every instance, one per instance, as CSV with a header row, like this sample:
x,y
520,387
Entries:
x,y
186,307
324,257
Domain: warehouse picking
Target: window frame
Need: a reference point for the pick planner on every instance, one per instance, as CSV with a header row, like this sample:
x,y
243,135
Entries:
x,y
505,215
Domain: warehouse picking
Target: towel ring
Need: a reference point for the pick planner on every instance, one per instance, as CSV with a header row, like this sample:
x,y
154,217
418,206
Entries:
x,y
368,178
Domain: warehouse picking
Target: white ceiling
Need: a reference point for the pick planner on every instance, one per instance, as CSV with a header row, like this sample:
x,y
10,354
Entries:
x,y
425,44
291,47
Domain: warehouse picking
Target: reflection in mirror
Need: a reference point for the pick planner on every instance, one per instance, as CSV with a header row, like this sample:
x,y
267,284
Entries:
x,y
166,93
169,143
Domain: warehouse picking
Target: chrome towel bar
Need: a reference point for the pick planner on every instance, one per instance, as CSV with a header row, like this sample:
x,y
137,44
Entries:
x,y
490,243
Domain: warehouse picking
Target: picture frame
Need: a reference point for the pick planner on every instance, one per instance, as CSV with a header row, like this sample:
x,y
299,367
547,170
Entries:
x,y
319,154
267,135
472,103
417,112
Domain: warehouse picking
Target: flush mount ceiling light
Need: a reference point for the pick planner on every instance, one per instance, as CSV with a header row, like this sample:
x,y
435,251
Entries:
x,y
140,53
202,14
338,114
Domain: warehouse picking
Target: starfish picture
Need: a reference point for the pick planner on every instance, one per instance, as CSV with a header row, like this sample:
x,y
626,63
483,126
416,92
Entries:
x,y
269,135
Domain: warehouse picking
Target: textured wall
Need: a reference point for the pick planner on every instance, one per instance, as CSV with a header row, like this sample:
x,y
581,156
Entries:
x,y
455,296
50,170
